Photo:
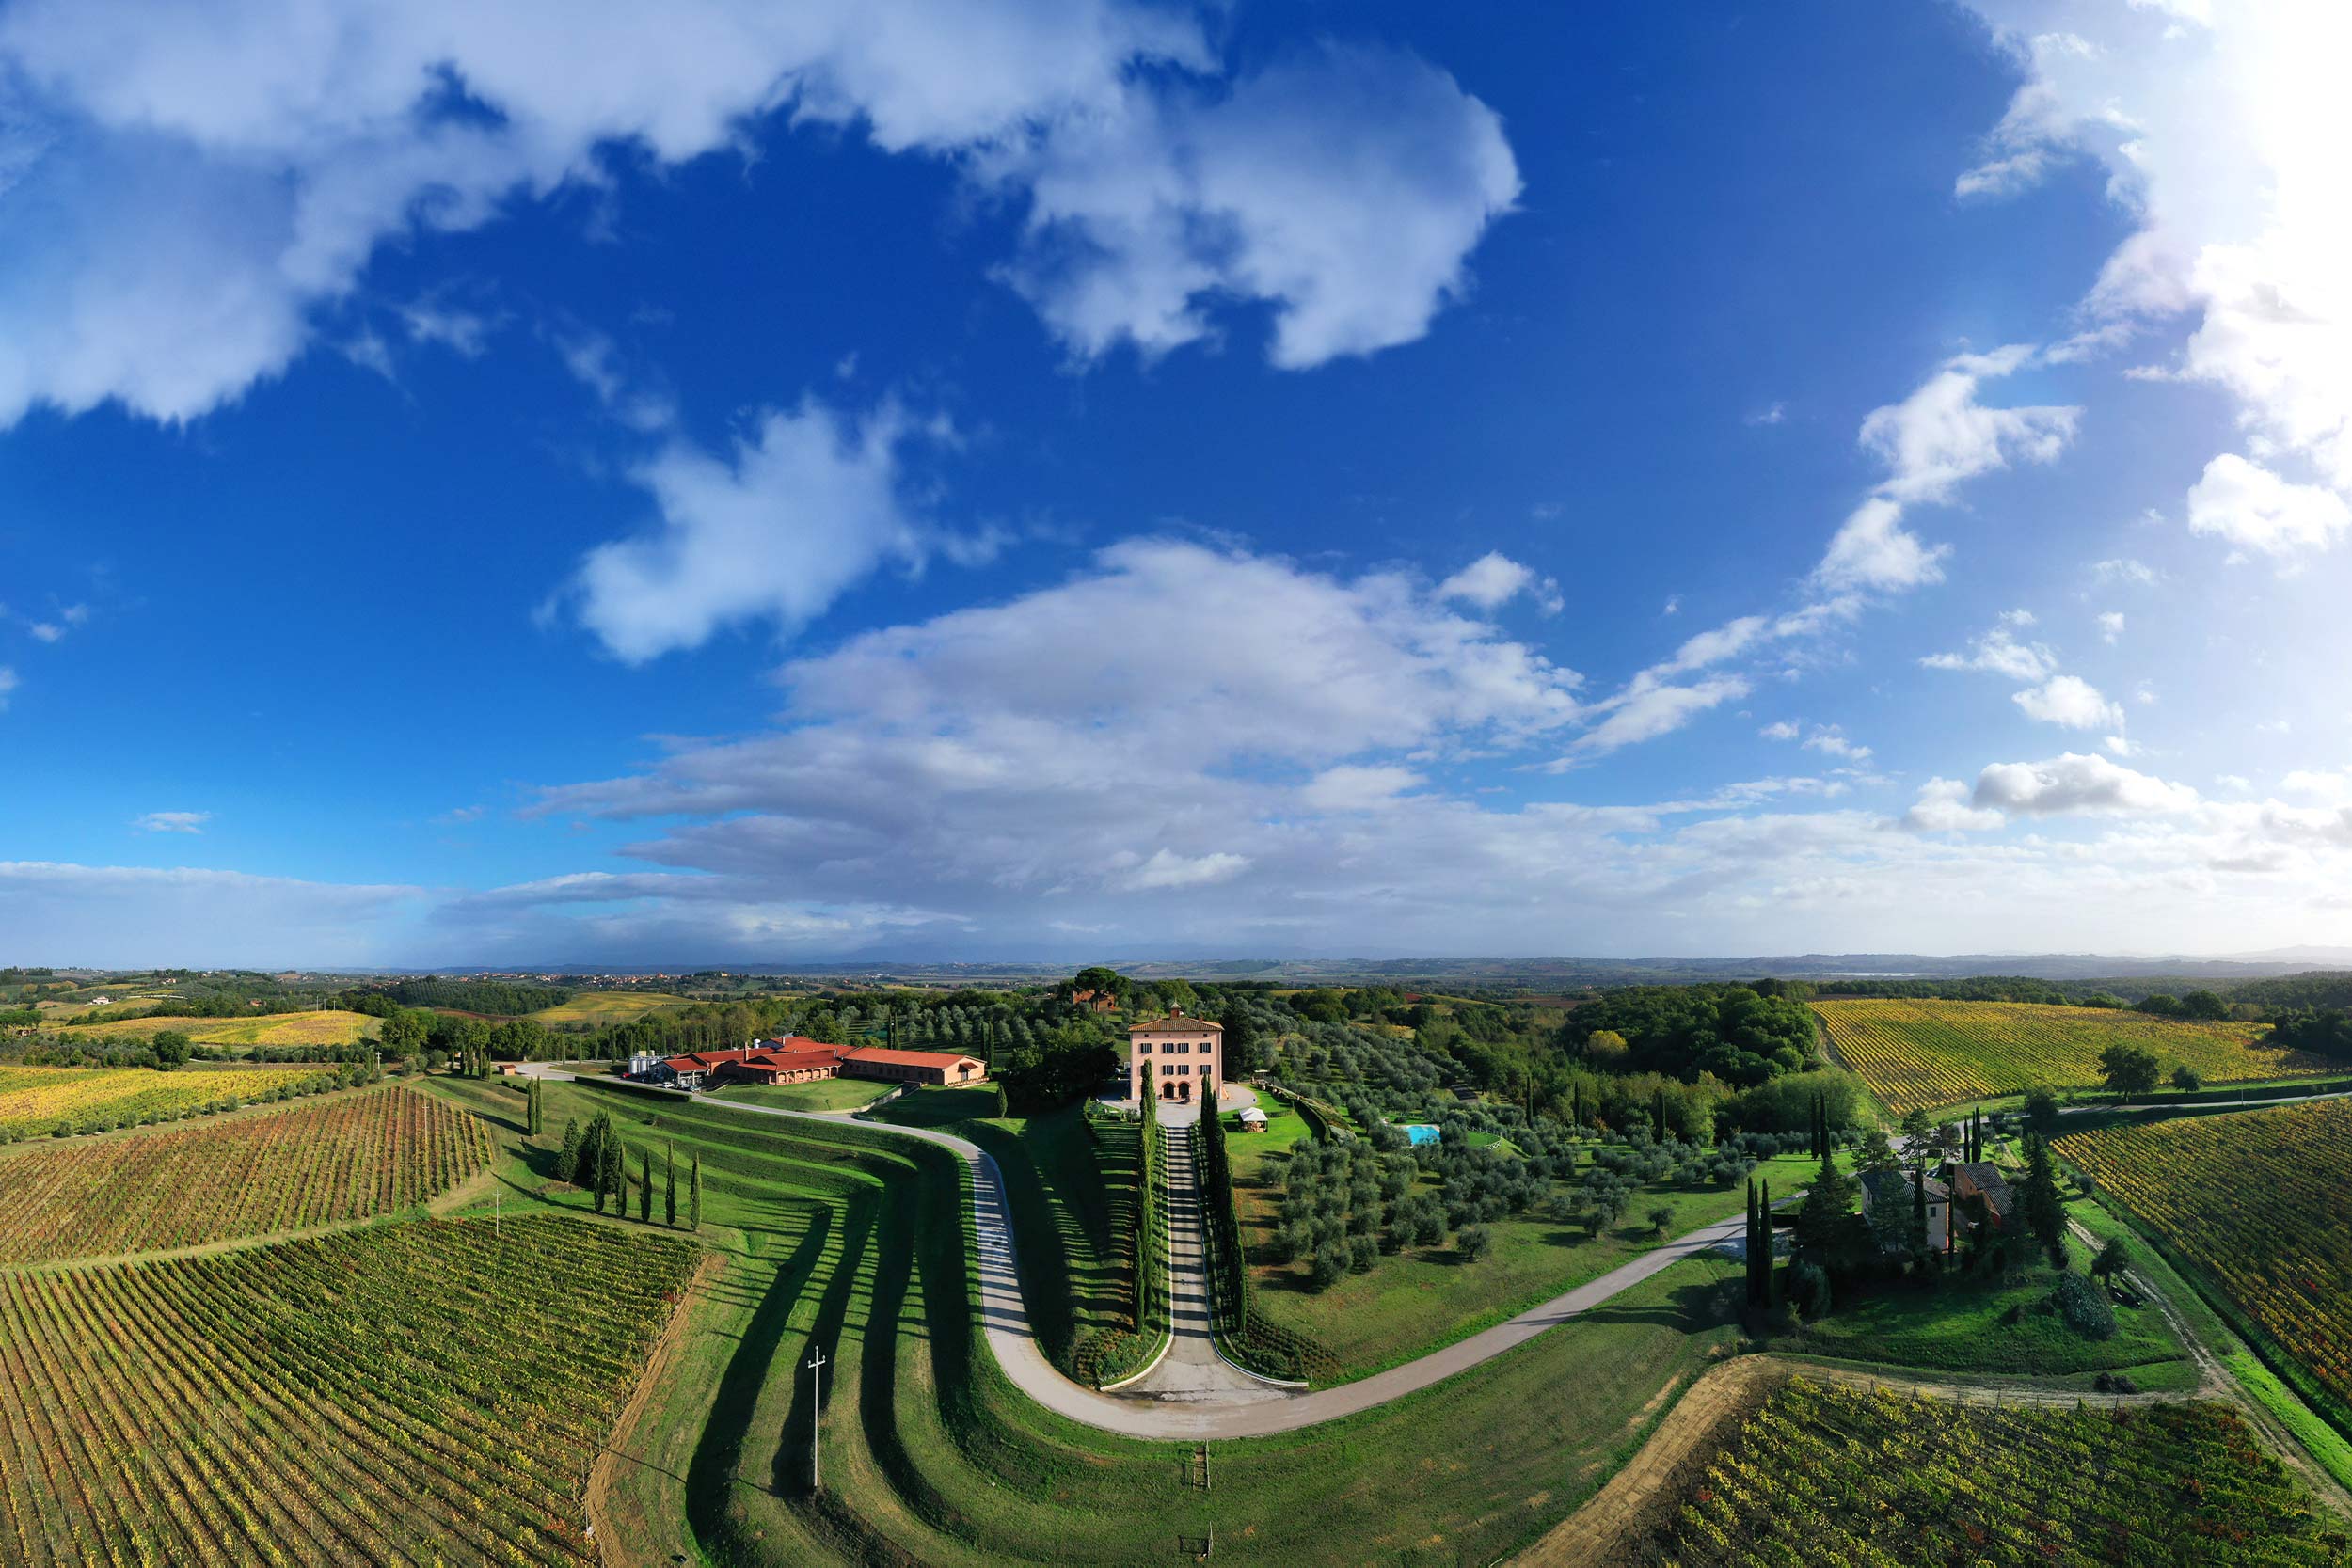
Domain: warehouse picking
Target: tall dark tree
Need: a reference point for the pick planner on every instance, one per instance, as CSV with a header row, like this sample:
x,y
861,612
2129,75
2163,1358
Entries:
x,y
1755,1234
568,1158
694,1195
1771,1274
1918,1208
2039,1202
2041,1113
669,1186
644,1186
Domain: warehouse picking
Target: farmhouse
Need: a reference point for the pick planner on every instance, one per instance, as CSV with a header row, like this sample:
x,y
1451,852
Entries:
x,y
799,1060
1982,1179
1892,1187
1178,1052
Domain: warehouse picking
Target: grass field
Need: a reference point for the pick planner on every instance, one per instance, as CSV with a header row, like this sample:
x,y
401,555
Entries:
x,y
842,1238
825,1094
1964,1324
274,1029
37,1101
1828,1474
1924,1056
406,1394
609,1006
2258,1201
1417,1300
317,1162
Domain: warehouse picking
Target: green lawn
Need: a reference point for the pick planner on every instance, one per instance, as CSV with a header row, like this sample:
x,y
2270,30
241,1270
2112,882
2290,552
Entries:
x,y
840,1238
1960,1323
1417,1300
825,1094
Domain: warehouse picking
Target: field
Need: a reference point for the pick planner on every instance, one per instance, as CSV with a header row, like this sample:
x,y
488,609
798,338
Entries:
x,y
346,1158
276,1029
419,1393
607,1007
826,1094
844,1238
1842,1475
35,1101
1917,1055
2257,1199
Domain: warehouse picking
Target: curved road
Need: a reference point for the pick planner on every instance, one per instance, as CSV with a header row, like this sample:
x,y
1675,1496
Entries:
x,y
1243,1407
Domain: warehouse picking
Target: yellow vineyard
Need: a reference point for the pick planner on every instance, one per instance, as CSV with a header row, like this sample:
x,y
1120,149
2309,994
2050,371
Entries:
x,y
41,1100
276,1029
1924,1055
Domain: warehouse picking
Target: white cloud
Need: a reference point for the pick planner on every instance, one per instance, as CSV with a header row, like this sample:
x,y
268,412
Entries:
x,y
1674,604
2253,508
1357,787
2124,570
1999,653
208,185
1784,729
2071,702
807,504
1930,442
1771,414
173,821
1644,712
2111,626
1943,807
1830,742
1493,580
2221,127
2074,782
1165,870
1345,188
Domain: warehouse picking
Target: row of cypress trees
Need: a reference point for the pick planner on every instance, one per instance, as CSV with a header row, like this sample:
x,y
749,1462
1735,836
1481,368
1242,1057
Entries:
x,y
1762,1283
1230,1310
598,1159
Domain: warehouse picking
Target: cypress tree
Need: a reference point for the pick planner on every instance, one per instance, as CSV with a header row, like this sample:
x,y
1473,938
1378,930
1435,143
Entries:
x,y
644,1186
1755,1295
1657,1115
1764,1218
1918,1207
568,1158
669,1193
694,1195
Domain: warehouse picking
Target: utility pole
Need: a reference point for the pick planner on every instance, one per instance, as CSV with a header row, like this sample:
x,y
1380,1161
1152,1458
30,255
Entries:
x,y
816,1365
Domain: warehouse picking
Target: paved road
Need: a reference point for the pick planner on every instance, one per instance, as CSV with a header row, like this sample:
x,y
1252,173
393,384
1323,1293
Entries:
x,y
2207,1104
1199,1413
1192,1370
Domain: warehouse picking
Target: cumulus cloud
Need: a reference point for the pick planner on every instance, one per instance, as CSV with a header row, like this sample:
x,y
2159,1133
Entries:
x,y
1933,441
1494,580
2221,127
2072,702
1944,806
208,185
2111,626
2124,570
2075,782
2252,507
172,821
1781,729
1830,740
1998,651
808,502
1345,188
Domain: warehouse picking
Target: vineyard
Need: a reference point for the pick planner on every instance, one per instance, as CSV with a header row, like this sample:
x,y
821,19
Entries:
x,y
1918,1055
420,1393
273,1029
347,1158
2258,1198
36,1101
1838,1475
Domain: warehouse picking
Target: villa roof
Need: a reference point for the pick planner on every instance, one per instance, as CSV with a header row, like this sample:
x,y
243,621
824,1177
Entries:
x,y
1177,1022
907,1058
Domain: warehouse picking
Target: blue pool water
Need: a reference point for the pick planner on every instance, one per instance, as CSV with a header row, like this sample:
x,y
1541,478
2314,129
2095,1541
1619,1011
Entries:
x,y
1421,1133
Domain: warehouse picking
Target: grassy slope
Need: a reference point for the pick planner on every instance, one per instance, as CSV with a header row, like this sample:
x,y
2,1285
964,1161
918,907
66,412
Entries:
x,y
928,1453
609,1006
1419,1299
310,1028
826,1094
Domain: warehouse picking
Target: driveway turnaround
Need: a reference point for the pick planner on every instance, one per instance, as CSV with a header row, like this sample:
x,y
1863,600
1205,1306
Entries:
x,y
1195,1406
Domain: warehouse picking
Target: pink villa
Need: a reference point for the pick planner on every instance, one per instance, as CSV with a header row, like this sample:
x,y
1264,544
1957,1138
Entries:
x,y
1180,1052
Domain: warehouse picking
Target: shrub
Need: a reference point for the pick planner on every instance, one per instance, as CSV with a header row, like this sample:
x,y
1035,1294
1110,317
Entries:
x,y
1808,1289
1330,1263
1473,1243
2082,1308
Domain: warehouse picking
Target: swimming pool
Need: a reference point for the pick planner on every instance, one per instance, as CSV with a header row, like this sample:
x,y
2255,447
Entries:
x,y
1421,1133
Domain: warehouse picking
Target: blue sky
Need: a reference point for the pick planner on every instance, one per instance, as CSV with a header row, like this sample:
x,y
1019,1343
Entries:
x,y
728,483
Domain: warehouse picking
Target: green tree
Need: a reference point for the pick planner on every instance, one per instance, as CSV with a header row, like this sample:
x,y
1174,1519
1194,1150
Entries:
x,y
2185,1079
1915,1128
1473,1241
170,1048
1660,1217
568,1158
644,1186
669,1186
2038,1201
2114,1258
2129,1069
2041,1113
694,1195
